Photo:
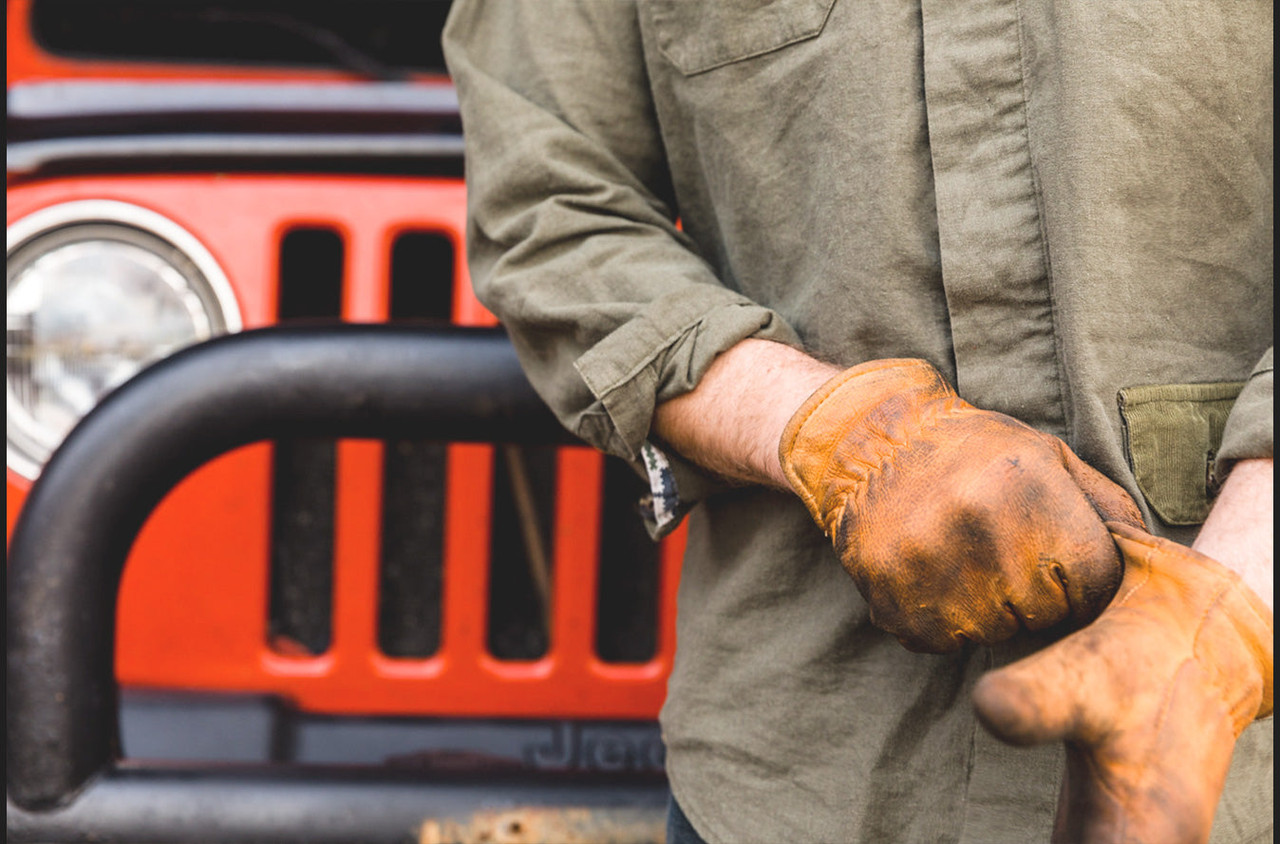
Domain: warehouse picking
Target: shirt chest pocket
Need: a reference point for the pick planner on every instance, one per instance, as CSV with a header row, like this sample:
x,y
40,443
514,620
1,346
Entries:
x,y
701,35
1172,434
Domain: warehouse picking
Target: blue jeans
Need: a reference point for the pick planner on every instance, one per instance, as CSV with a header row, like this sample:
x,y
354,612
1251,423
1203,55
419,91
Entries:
x,y
679,830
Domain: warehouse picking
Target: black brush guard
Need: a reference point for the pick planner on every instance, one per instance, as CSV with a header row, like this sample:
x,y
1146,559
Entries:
x,y
65,780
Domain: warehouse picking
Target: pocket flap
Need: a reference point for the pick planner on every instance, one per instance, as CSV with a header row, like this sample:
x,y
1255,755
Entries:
x,y
698,37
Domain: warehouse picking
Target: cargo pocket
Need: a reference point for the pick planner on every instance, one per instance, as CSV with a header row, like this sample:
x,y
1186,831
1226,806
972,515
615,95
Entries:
x,y
700,35
1172,433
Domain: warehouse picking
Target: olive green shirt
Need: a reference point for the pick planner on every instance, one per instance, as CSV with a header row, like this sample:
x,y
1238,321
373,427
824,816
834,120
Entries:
x,y
1064,207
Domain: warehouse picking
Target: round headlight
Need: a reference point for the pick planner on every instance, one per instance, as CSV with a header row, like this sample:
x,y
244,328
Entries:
x,y
96,291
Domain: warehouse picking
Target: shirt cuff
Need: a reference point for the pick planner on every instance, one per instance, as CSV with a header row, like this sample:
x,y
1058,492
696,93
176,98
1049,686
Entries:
x,y
658,355
662,509
662,353
1250,429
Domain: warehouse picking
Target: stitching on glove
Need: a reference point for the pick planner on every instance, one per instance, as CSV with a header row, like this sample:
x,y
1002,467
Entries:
x,y
1234,711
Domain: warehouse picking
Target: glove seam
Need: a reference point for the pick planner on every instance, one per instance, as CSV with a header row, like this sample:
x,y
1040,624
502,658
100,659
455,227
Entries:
x,y
858,484
825,393
1233,588
1216,603
1106,787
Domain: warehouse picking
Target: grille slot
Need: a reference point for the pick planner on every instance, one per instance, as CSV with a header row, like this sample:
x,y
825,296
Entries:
x,y
301,582
410,580
422,270
300,603
627,588
310,274
520,559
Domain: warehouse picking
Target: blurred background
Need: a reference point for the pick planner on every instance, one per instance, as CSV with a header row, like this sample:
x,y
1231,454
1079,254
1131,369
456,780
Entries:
x,y
179,170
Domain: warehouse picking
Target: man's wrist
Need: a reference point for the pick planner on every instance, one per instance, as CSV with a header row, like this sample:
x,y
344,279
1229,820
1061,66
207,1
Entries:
x,y
732,422
1239,532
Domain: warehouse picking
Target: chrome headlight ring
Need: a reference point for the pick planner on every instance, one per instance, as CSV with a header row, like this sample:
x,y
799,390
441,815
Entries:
x,y
95,290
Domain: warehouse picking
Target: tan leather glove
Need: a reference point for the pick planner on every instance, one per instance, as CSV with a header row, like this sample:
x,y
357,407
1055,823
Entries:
x,y
956,523
1150,698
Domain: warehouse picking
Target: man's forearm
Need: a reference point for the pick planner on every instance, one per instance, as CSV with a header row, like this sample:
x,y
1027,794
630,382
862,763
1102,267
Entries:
x,y
1240,529
732,422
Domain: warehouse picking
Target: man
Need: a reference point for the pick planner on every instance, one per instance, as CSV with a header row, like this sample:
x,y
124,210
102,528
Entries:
x,y
960,303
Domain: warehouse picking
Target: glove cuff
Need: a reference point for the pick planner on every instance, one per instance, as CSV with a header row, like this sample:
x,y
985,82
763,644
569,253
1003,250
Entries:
x,y
871,399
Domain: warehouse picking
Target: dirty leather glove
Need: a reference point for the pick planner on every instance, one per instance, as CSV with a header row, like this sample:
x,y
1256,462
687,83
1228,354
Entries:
x,y
957,524
1150,698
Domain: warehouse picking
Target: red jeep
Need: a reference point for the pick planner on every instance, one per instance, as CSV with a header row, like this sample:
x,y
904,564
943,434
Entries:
x,y
294,551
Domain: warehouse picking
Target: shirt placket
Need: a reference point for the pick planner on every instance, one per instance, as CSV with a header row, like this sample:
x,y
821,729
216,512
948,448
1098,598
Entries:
x,y
995,258
997,276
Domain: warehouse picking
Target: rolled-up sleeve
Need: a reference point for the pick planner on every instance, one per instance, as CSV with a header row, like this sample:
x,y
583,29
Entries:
x,y
572,233
1250,428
